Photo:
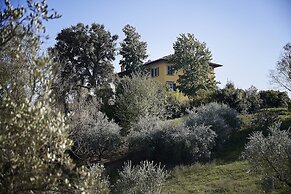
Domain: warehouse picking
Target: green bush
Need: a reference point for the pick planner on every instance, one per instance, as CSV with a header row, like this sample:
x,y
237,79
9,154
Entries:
x,y
176,104
137,97
265,118
145,178
274,99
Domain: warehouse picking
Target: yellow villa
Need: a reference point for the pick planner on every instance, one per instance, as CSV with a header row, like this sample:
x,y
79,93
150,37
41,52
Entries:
x,y
161,70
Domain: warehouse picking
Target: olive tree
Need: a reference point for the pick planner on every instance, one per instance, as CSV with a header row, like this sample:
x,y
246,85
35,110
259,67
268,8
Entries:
x,y
34,144
173,144
221,118
29,17
271,155
94,135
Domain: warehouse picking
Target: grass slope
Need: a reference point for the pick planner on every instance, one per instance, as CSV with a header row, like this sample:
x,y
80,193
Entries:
x,y
211,178
228,174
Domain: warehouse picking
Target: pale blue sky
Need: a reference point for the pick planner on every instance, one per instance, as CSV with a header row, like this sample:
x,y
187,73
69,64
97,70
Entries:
x,y
245,36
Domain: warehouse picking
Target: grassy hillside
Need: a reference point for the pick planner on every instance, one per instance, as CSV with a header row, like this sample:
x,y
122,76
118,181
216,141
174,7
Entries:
x,y
226,178
229,174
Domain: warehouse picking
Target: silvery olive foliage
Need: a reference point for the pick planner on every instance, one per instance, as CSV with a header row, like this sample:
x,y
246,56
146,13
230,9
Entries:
x,y
222,119
136,97
34,141
165,142
270,156
29,17
33,135
145,178
94,135
188,144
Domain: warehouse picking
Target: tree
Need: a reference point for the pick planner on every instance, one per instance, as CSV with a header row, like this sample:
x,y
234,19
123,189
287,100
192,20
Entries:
x,y
173,144
34,142
253,99
234,97
222,119
34,138
282,74
93,134
133,50
274,99
86,54
192,57
29,17
137,97
271,155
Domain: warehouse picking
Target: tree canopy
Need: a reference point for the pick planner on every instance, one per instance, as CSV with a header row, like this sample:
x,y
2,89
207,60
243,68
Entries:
x,y
133,50
192,57
86,54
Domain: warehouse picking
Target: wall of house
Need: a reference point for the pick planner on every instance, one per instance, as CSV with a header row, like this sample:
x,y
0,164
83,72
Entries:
x,y
163,72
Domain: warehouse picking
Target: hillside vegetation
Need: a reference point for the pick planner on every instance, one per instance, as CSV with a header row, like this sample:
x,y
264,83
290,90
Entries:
x,y
228,173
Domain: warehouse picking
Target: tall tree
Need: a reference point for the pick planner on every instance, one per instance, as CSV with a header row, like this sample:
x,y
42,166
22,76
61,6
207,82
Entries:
x,y
282,74
192,57
133,50
86,54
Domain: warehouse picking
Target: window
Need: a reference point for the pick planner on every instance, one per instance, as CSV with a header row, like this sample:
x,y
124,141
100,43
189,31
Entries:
x,y
172,85
170,70
155,72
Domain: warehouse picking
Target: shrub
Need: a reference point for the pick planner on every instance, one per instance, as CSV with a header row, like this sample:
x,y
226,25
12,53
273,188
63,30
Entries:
x,y
176,104
161,141
145,178
222,119
233,97
137,97
93,134
265,118
145,136
186,144
271,155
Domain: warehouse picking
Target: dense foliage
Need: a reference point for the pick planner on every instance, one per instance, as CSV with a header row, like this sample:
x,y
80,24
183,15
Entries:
x,y
133,50
176,104
271,155
34,142
145,178
250,100
174,144
222,119
273,99
192,57
93,134
137,97
85,54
